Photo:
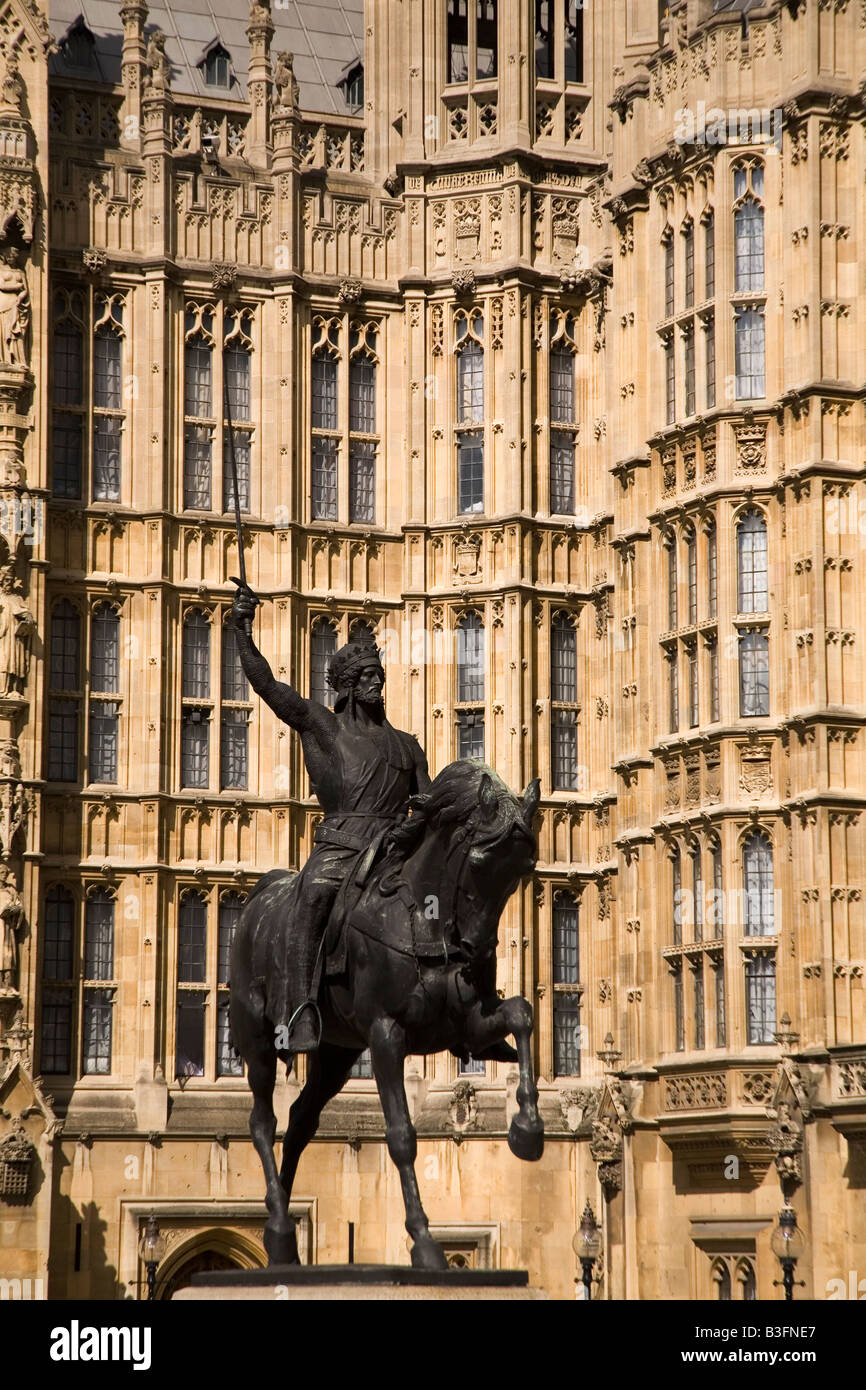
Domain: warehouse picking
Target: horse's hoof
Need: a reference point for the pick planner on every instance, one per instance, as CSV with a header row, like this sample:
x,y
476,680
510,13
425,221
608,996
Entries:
x,y
428,1254
526,1141
282,1247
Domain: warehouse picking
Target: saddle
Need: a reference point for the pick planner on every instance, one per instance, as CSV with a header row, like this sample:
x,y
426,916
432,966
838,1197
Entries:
x,y
367,901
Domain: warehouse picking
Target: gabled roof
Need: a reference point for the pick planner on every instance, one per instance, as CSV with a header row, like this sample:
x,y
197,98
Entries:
x,y
323,35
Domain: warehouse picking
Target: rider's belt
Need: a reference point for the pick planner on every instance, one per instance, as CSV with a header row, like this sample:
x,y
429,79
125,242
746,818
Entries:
x,y
327,835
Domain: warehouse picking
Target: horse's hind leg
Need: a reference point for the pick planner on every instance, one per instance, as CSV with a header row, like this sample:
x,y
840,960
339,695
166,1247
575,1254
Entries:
x,y
280,1239
388,1051
327,1070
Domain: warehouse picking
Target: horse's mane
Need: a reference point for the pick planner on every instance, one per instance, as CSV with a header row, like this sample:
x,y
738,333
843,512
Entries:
x,y
454,794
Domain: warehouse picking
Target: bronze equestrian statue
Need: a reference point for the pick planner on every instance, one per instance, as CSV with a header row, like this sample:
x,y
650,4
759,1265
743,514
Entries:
x,y
386,938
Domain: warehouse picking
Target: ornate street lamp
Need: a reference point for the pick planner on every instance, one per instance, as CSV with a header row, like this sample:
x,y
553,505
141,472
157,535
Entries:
x,y
151,1248
788,1244
587,1247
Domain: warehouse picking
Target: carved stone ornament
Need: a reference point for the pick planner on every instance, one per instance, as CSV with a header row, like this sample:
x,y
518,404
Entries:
x,y
17,626
463,282
224,275
605,1147
14,308
751,438
351,289
579,1107
287,93
94,259
463,1110
786,1141
16,1163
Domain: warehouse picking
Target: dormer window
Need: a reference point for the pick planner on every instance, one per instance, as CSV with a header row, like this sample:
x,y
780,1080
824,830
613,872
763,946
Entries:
x,y
353,85
78,45
216,66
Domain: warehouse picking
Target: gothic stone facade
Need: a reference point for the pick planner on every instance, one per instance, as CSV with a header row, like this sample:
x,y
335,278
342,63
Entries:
x,y
538,328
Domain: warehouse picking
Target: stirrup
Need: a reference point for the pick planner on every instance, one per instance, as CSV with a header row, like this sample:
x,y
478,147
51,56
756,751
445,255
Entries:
x,y
293,1046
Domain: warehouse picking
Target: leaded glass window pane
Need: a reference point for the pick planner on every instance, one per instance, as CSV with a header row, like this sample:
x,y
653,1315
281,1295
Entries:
x,y
749,355
670,383
749,246
194,750
65,661
197,444
242,441
234,755
752,564
692,569
470,473
679,1013
712,573
677,897
758,887
63,741
566,961
103,742
324,479
104,650
362,395
198,393
58,935
470,383
470,660
458,41
713,655
66,450
566,1034
689,353
56,1032
574,40
107,445
486,39
192,941
754,674
563,661
710,256
693,688
324,392
698,894
561,473
230,909
237,365
672,586
669,277
761,999
700,1020
689,249
561,385
566,773
96,1032
99,938
323,645
189,1050
710,346
107,371
721,1018
674,692
235,685
470,735
363,1068
228,1061
362,481
196,657
544,38
68,358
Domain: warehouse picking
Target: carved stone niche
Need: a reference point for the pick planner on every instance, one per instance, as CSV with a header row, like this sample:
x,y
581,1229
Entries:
x,y
17,1153
605,1147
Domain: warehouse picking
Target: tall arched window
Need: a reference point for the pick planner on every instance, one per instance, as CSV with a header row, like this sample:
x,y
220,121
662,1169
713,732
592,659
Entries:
x,y
470,412
673,607
692,568
758,886
722,1280
470,686
669,272
68,416
104,649
199,415
107,397
363,442
58,940
712,572
566,992
64,675
761,999
677,912
237,408
752,594
324,419
750,354
563,701
697,893
323,645
748,229
562,412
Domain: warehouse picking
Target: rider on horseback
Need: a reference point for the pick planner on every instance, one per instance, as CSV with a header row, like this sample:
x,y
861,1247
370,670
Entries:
x,y
363,773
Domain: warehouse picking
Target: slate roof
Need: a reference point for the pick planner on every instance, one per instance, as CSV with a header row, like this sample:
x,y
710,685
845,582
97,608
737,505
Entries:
x,y
324,36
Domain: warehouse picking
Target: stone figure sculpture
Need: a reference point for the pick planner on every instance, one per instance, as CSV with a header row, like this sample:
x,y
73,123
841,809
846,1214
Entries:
x,y
11,917
17,626
14,308
386,938
287,92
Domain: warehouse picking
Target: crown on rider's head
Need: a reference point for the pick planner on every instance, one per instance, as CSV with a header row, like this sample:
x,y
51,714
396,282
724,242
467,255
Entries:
x,y
346,664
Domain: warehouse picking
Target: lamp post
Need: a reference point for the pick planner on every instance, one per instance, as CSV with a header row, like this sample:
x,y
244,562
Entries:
x,y
587,1247
151,1248
788,1244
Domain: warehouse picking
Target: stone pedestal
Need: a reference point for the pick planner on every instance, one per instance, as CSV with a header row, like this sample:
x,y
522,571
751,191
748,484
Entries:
x,y
360,1283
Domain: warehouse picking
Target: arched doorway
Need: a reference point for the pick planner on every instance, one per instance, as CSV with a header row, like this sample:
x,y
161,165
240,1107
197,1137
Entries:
x,y
207,1251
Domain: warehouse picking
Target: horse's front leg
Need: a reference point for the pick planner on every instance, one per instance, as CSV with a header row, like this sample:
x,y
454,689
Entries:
x,y
388,1052
514,1016
279,1235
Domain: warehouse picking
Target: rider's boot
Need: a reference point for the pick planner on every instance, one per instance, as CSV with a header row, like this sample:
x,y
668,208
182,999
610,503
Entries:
x,y
305,1027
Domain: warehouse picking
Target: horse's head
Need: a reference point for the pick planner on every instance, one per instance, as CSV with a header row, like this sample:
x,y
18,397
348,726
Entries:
x,y
488,845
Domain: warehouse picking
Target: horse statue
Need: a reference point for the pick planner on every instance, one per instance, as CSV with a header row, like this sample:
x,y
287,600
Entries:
x,y
408,968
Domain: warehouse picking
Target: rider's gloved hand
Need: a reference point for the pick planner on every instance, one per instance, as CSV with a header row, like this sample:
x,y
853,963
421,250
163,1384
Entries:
x,y
244,606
